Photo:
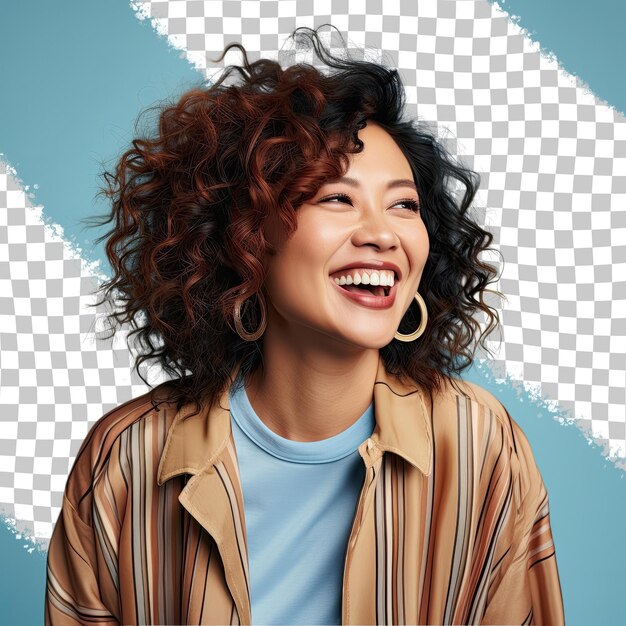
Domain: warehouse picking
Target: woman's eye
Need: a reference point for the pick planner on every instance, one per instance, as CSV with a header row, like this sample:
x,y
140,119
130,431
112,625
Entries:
x,y
412,205
341,197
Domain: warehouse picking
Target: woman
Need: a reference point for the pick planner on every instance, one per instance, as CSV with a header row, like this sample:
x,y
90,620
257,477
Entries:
x,y
296,254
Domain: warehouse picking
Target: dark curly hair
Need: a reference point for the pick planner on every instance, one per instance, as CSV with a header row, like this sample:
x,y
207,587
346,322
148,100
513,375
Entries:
x,y
189,205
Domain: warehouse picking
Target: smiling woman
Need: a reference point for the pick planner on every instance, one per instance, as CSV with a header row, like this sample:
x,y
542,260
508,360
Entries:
x,y
297,255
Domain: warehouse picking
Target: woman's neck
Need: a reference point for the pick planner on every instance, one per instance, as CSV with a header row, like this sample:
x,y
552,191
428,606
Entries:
x,y
306,393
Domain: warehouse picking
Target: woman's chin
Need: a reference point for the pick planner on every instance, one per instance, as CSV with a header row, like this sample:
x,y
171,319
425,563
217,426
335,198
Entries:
x,y
367,339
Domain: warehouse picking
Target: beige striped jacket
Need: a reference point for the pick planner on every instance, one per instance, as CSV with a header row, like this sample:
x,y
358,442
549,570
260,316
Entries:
x,y
452,525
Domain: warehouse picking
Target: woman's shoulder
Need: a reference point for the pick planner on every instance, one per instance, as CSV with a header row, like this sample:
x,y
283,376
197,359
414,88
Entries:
x,y
497,411
498,433
477,403
487,414
122,426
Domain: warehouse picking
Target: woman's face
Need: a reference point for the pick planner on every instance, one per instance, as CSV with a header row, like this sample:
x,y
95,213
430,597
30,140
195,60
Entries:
x,y
364,219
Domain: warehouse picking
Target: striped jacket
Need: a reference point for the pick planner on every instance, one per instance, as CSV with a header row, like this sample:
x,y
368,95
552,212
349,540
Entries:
x,y
452,524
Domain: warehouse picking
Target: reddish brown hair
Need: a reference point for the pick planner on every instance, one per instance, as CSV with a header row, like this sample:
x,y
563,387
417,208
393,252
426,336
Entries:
x,y
190,202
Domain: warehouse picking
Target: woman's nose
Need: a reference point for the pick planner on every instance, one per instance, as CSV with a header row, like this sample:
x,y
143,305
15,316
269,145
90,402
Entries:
x,y
375,228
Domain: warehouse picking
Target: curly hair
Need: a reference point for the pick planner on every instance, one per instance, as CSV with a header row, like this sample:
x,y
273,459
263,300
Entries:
x,y
189,205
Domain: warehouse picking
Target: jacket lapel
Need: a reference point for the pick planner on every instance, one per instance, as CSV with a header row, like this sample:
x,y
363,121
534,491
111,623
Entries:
x,y
402,422
214,498
202,445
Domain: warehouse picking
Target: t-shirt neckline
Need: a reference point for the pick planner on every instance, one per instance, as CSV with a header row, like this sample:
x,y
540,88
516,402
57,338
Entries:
x,y
324,451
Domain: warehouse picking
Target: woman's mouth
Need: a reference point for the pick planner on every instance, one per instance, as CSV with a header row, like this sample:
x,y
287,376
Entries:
x,y
371,296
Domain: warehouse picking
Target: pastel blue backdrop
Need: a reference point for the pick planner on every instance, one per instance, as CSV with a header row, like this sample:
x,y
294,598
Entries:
x,y
74,77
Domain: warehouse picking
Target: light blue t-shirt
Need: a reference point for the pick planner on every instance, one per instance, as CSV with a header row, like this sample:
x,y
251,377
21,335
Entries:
x,y
300,500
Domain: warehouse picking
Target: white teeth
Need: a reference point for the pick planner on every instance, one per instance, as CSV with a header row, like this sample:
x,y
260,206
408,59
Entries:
x,y
385,279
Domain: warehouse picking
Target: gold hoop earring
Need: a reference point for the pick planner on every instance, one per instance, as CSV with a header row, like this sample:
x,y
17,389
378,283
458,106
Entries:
x,y
421,327
241,331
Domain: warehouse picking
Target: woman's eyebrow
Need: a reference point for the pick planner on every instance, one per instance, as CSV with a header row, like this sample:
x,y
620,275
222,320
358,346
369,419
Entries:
x,y
353,182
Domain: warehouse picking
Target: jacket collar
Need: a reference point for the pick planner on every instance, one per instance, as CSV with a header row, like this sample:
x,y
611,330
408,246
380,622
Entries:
x,y
402,427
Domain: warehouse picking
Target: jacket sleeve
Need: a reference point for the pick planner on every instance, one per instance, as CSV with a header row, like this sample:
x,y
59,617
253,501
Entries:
x,y
72,586
529,588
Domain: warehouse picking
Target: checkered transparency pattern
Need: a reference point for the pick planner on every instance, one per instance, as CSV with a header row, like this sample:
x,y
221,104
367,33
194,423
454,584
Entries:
x,y
58,373
552,159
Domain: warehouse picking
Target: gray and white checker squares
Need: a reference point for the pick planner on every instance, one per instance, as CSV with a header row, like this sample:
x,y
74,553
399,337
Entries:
x,y
552,162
